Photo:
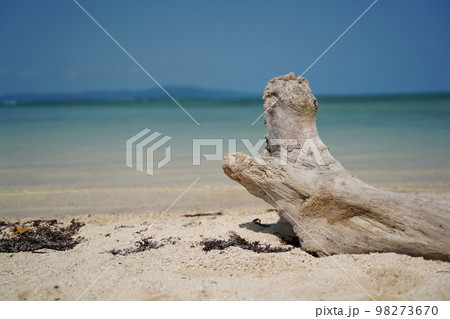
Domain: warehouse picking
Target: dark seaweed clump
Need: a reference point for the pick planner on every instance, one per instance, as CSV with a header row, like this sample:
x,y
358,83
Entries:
x,y
237,241
140,246
203,214
38,234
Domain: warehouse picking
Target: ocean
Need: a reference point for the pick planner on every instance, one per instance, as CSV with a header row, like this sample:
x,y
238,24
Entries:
x,y
382,139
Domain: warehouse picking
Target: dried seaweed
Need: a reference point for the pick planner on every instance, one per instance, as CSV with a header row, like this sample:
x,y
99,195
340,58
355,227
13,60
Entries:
x,y
140,246
38,234
203,214
170,240
237,241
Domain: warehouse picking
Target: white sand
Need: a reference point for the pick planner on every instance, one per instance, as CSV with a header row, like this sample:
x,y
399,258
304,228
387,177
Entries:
x,y
183,271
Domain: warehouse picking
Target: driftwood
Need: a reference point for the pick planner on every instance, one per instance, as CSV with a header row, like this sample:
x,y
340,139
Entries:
x,y
332,211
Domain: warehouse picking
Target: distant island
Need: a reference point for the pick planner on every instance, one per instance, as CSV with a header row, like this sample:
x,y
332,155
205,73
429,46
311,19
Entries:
x,y
192,93
178,92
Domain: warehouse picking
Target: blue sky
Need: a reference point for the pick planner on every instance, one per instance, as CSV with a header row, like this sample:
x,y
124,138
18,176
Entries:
x,y
52,46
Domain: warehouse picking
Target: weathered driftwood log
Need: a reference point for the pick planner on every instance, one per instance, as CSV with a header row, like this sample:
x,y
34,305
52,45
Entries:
x,y
331,210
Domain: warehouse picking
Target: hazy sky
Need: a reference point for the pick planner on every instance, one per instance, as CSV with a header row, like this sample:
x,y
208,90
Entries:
x,y
52,45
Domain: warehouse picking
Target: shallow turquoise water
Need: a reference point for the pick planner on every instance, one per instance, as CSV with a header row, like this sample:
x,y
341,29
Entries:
x,y
382,139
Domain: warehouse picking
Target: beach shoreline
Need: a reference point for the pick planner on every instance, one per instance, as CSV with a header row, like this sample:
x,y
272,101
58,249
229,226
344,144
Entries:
x,y
55,202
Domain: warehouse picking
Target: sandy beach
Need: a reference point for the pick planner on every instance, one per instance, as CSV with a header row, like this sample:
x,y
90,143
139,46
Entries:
x,y
180,269
220,151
